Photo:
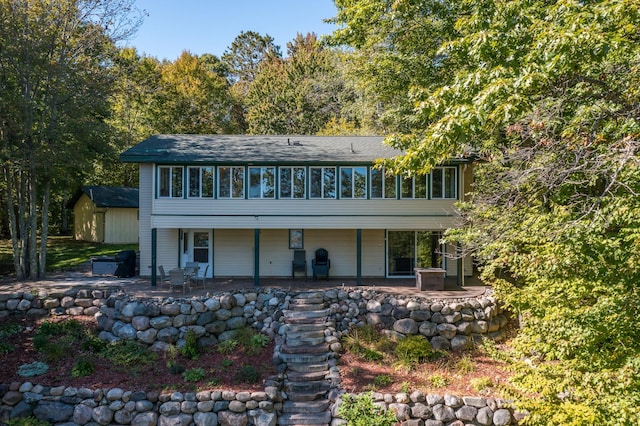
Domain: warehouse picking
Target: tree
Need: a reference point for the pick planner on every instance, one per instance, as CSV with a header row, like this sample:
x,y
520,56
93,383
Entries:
x,y
53,86
245,55
298,94
547,94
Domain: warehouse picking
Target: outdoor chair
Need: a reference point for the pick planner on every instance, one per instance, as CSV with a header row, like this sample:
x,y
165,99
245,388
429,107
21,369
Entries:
x,y
177,280
164,278
321,264
203,277
299,263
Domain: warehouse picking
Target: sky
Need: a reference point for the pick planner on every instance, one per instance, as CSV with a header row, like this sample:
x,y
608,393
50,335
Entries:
x,y
210,26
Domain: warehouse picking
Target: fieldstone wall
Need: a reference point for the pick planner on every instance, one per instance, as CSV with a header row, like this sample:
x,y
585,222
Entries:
x,y
82,406
448,324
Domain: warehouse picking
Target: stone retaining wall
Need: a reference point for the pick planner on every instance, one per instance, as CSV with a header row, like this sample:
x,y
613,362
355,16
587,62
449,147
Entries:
x,y
448,324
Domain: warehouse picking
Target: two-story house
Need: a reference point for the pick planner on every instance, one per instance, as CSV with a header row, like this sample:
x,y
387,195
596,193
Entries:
x,y
243,204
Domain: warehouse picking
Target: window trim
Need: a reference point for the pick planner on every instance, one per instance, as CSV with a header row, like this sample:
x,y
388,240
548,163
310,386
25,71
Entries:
x,y
242,170
292,186
201,182
171,183
262,185
353,183
322,182
444,183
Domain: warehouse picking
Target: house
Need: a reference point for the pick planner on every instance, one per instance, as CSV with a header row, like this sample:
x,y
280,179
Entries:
x,y
106,214
243,204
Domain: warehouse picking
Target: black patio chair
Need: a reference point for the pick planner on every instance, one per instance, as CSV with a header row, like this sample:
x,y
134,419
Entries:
x,y
299,263
321,264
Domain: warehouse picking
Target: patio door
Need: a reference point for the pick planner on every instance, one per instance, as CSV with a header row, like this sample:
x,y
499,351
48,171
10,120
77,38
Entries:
x,y
413,249
197,248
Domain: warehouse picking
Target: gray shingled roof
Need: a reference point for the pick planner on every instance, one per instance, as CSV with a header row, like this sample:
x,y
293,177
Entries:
x,y
242,149
112,196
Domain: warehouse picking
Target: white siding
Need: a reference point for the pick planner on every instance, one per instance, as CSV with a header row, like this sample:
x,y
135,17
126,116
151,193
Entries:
x,y
373,253
121,226
341,245
167,249
84,220
144,224
275,255
233,252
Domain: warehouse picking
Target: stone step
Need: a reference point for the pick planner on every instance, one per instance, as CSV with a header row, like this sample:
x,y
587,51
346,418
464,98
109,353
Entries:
x,y
305,358
305,334
307,368
319,313
295,376
322,348
314,326
306,396
306,406
308,296
318,387
323,418
312,341
305,321
302,307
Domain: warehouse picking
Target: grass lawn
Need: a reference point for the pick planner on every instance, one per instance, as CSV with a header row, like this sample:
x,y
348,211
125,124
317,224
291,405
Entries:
x,y
63,253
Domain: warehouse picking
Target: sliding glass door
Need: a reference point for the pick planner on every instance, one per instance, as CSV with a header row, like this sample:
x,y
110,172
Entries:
x,y
413,249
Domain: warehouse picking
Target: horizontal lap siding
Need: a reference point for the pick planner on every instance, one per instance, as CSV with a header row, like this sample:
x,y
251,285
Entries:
x,y
167,249
84,221
373,257
275,255
144,224
233,252
121,226
341,245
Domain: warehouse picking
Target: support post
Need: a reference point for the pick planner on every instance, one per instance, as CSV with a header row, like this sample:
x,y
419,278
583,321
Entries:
x,y
359,256
154,260
256,257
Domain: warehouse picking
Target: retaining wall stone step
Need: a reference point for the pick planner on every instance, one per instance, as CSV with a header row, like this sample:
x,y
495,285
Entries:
x,y
295,376
307,368
322,348
306,407
318,313
304,358
305,419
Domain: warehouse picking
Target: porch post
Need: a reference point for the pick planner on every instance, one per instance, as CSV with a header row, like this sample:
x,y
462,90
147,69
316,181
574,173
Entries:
x,y
460,265
256,257
359,256
154,261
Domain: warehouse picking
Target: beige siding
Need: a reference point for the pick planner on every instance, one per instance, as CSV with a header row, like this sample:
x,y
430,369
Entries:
x,y
341,245
373,253
275,255
121,226
233,252
167,249
146,198
85,226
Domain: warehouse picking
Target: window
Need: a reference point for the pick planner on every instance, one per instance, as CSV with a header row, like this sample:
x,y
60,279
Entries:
x,y
170,181
322,182
413,187
382,184
292,182
201,247
230,182
353,182
200,182
443,183
262,182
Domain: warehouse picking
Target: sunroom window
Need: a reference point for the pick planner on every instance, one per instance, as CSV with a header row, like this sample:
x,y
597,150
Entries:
x,y
382,184
262,181
292,182
230,182
414,187
322,182
443,183
200,182
170,181
353,182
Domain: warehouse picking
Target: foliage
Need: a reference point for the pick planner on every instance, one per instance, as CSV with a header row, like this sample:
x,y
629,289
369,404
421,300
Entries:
x,y
438,380
194,375
465,365
481,383
176,368
413,350
83,366
547,94
228,346
190,349
26,421
6,348
130,354
6,331
252,343
53,338
35,368
360,410
247,374
382,380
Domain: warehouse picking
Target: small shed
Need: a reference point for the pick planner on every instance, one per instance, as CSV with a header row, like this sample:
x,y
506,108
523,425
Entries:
x,y
106,214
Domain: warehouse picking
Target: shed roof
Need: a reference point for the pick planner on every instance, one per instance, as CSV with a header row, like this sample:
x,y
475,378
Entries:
x,y
244,149
110,196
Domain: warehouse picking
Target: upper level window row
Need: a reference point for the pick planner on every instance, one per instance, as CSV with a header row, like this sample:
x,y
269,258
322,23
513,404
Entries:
x,y
269,182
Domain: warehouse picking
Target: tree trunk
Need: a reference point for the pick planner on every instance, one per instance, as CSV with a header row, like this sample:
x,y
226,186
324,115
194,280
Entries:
x,y
13,220
33,225
44,233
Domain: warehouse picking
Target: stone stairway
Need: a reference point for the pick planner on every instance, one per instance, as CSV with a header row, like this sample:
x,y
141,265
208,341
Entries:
x,y
307,377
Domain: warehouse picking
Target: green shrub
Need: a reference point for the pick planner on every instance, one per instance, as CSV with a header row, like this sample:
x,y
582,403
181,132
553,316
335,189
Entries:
x,y
480,383
413,350
84,366
228,346
93,343
194,375
247,374
465,365
252,343
9,329
226,363
35,368
26,421
405,387
6,348
190,349
371,354
382,380
130,354
438,380
361,410
71,327
176,369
